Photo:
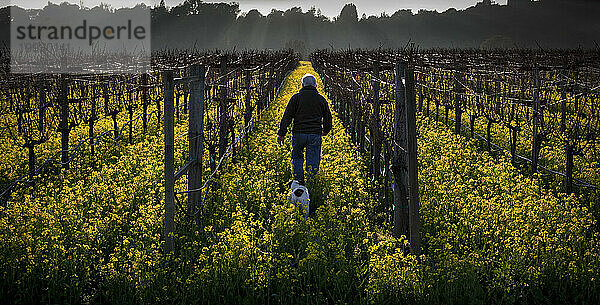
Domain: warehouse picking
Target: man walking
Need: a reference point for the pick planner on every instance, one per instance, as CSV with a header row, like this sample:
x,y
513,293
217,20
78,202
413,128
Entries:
x,y
312,119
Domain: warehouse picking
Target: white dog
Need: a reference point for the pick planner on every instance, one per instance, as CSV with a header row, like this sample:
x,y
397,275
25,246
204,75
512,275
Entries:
x,y
299,197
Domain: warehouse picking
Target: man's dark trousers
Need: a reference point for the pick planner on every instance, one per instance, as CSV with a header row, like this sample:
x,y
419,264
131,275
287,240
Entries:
x,y
312,144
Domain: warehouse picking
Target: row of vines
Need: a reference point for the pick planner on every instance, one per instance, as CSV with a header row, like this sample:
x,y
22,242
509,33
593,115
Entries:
x,y
490,233
50,121
540,109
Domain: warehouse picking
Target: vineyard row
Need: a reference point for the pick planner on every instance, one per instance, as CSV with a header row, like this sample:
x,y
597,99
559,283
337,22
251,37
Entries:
x,y
36,109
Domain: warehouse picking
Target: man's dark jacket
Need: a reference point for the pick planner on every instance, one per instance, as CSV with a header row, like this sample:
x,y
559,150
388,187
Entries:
x,y
310,113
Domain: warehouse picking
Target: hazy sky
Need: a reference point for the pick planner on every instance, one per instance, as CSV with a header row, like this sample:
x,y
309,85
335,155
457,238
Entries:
x,y
328,7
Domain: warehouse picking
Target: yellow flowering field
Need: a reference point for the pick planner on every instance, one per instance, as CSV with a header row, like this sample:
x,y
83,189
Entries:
x,y
490,235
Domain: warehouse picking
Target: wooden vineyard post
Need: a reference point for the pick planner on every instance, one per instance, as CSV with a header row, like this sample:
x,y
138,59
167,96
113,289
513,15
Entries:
x,y
42,110
177,94
31,154
159,113
406,188
169,131
376,124
513,142
342,106
130,113
420,94
248,100
91,122
475,108
413,185
63,100
399,166
446,99
260,90
534,137
186,97
41,126
108,110
458,91
30,144
145,101
353,116
358,119
196,138
223,120
230,123
472,118
428,95
569,169
563,106
362,133
271,85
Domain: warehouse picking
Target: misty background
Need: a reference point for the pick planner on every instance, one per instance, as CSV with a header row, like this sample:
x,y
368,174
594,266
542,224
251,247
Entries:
x,y
486,24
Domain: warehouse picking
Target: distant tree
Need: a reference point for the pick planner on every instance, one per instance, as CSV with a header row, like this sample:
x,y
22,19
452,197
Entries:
x,y
253,16
219,25
402,14
424,12
348,15
160,11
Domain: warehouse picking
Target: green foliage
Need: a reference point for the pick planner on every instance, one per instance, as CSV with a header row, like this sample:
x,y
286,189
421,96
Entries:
x,y
490,235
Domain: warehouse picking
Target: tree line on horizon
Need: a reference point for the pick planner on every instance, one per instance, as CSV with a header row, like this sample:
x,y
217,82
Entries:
x,y
545,24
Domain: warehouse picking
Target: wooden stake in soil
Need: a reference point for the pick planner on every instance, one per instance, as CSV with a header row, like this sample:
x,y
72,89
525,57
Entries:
x,y
169,130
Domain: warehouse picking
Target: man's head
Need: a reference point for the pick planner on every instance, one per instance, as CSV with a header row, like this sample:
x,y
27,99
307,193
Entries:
x,y
309,80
